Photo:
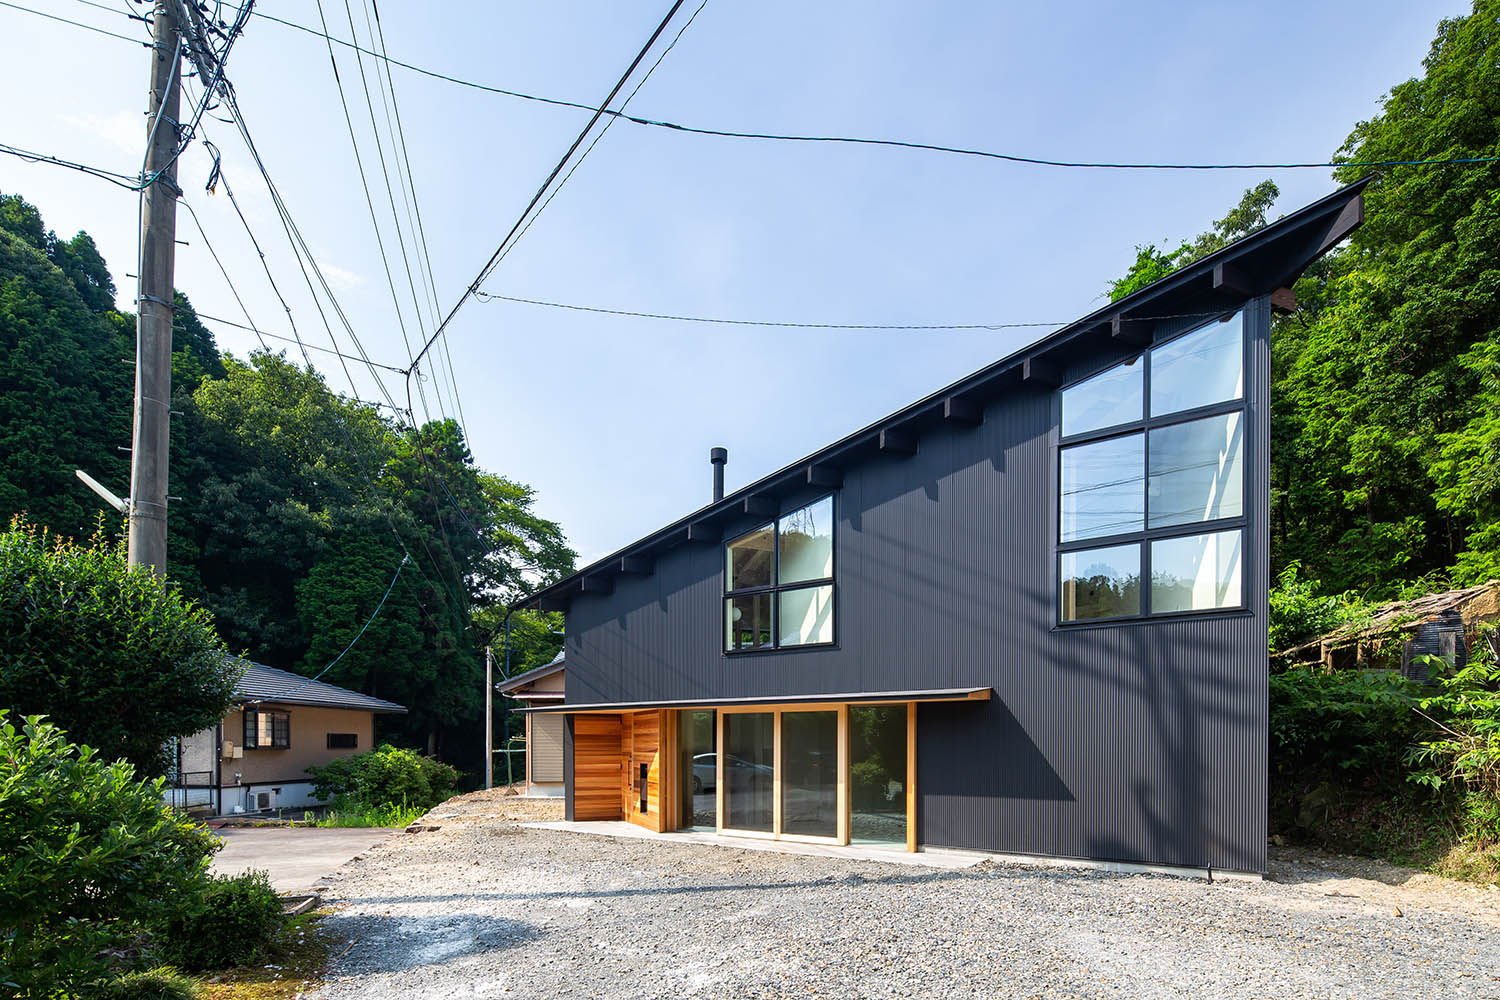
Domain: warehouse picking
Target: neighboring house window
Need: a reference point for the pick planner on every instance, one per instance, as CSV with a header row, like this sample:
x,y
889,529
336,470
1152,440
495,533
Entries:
x,y
778,582
265,730
343,741
1151,514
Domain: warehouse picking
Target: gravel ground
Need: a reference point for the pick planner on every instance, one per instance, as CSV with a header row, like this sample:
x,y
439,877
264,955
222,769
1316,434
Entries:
x,y
483,908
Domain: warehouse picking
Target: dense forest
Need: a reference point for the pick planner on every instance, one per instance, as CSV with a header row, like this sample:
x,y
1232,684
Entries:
x,y
299,507
1385,447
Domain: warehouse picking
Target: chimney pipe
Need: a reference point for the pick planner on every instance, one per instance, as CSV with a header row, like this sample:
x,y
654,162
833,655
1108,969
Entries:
x,y
718,456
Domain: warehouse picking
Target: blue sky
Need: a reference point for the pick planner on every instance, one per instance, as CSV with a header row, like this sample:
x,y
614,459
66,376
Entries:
x,y
611,419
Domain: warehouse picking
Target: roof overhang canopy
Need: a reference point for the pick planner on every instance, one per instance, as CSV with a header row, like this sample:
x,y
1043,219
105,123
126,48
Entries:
x,y
800,700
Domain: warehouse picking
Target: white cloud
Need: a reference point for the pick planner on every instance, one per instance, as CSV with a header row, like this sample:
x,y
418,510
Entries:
x,y
124,129
339,278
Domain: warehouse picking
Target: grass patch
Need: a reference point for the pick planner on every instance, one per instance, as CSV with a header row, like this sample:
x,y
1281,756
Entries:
x,y
347,812
293,961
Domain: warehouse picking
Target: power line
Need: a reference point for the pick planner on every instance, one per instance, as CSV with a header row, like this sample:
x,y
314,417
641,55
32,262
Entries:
x,y
678,318
125,181
293,340
897,143
489,266
600,134
867,141
79,24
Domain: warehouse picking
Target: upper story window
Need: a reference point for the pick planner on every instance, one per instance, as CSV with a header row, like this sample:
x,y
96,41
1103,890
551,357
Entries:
x,y
1151,512
265,730
778,582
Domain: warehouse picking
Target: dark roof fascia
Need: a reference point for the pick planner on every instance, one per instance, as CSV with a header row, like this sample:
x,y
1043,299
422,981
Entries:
x,y
1254,265
534,674
302,691
855,698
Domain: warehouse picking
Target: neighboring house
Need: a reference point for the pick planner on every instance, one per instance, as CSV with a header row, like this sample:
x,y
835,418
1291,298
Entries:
x,y
257,758
544,733
1025,614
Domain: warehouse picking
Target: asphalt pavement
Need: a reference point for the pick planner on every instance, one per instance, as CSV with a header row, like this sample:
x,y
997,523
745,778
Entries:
x,y
296,858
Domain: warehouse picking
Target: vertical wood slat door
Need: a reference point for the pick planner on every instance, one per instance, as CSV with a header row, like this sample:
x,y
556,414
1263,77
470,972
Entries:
x,y
596,767
643,751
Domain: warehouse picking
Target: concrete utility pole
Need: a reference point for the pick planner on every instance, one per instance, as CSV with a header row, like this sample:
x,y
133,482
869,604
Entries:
x,y
489,717
153,350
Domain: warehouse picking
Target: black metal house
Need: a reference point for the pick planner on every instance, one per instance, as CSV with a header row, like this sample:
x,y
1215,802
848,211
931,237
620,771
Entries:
x,y
1026,614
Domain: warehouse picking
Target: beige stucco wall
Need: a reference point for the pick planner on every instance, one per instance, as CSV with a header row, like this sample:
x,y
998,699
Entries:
x,y
309,738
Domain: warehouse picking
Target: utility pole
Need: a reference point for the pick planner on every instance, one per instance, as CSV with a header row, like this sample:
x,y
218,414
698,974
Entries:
x,y
489,717
153,351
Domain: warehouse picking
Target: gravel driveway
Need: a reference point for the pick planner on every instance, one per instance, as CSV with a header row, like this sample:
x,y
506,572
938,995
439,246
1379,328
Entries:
x,y
484,908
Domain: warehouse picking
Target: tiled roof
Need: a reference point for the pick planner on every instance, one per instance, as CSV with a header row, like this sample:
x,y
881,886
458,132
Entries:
x,y
282,687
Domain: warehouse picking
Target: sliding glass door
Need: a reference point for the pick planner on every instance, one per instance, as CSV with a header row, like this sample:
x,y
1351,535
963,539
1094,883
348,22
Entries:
x,y
877,774
810,774
748,770
697,763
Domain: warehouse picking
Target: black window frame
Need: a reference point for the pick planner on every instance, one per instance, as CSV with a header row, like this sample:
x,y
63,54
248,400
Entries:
x,y
775,588
1146,535
281,729
352,738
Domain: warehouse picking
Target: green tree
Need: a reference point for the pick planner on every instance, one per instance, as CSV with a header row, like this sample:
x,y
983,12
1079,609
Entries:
x,y
65,394
115,656
89,859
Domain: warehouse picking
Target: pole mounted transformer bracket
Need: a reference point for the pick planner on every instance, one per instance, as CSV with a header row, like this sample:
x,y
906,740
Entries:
x,y
123,506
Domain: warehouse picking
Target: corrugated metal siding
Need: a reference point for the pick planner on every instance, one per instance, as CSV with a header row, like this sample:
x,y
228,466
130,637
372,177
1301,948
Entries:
x,y
545,751
1140,742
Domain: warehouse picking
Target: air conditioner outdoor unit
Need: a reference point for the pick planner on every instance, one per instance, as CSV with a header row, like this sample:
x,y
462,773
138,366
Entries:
x,y
265,801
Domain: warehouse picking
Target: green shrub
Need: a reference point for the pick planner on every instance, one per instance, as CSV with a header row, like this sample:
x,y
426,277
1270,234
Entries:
x,y
1300,613
1464,749
238,919
89,857
351,812
154,984
387,776
116,658
1340,725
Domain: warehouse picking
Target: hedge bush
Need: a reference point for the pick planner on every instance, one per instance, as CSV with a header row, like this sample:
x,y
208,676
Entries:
x,y
89,858
238,919
115,657
386,776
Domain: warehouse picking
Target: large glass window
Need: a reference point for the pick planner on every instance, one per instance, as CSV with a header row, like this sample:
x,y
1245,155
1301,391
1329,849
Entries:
x,y
810,773
1101,583
877,774
698,763
1114,396
778,582
1151,500
1196,572
749,770
1101,487
1199,368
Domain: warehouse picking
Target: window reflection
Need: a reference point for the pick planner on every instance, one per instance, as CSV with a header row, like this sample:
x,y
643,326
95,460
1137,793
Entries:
x,y
748,624
805,615
1196,573
1109,398
1101,583
1103,487
809,773
1196,473
749,770
1199,368
877,774
807,543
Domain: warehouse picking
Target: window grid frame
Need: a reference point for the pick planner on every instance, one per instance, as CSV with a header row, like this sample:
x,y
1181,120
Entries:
x,y
1146,535
251,725
776,588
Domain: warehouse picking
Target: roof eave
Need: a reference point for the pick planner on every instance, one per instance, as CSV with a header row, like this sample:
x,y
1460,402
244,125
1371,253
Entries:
x,y
1254,265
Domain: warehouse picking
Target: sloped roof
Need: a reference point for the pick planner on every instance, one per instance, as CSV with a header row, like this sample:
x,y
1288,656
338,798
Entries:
x,y
282,687
534,674
1258,264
